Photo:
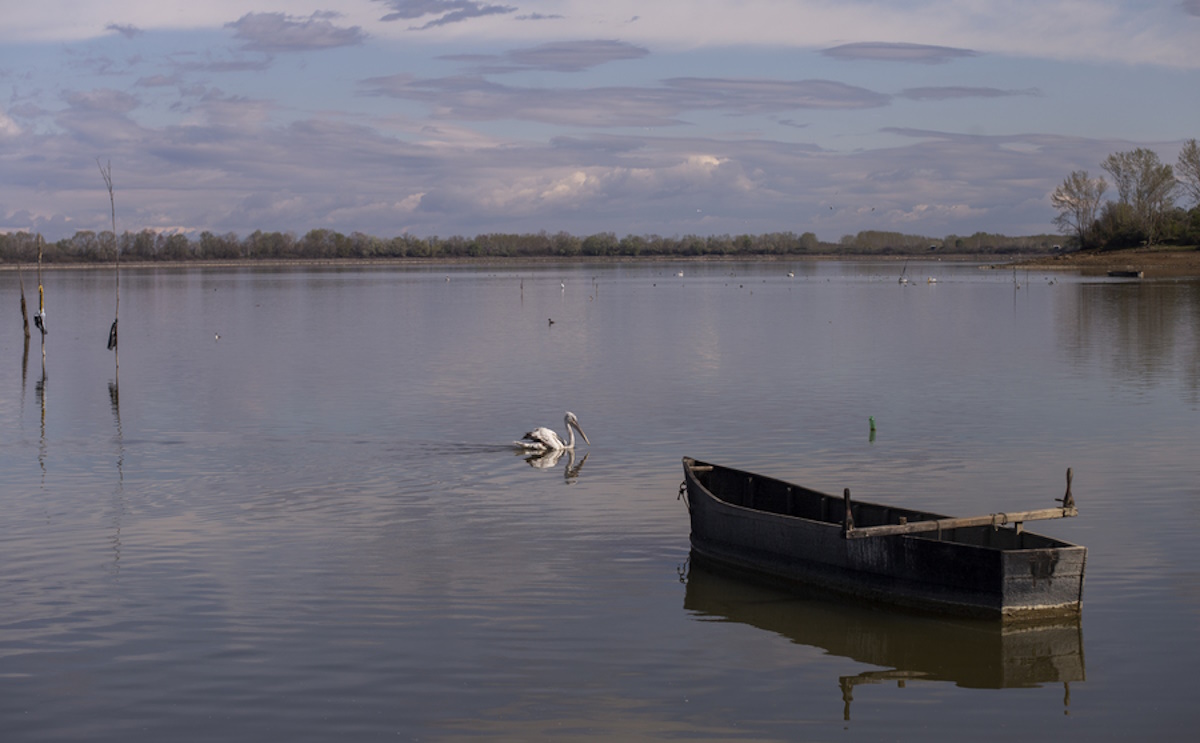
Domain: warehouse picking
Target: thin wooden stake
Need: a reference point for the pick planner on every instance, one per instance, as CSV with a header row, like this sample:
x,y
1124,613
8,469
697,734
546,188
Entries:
x,y
106,174
40,318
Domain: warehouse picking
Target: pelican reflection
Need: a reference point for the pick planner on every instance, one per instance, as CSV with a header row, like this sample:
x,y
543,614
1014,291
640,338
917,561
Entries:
x,y
549,459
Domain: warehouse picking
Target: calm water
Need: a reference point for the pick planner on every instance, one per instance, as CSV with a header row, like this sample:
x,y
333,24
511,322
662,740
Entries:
x,y
313,528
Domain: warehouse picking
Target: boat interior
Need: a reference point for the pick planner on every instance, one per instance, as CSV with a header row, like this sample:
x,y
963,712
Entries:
x,y
785,499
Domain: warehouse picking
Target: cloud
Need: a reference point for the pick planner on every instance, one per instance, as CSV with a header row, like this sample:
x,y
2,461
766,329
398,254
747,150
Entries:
x,y
214,63
475,99
573,56
99,119
943,93
448,11
233,170
8,127
276,32
897,52
158,81
126,30
564,56
761,96
1191,7
108,101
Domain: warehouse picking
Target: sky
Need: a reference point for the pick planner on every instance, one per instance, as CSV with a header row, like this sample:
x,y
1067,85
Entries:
x,y
643,117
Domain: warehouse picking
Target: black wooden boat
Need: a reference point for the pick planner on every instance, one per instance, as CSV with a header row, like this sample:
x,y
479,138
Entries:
x,y
981,565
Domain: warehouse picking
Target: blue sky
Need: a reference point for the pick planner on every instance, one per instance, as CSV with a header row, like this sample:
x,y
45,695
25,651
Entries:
x,y
669,117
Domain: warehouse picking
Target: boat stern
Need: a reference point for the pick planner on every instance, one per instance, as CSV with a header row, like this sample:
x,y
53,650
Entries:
x,y
1043,582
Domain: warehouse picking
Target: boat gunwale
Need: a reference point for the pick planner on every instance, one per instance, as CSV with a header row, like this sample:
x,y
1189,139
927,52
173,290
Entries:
x,y
691,463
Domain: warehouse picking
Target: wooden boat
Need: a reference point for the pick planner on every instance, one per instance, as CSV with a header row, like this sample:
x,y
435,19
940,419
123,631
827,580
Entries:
x,y
982,565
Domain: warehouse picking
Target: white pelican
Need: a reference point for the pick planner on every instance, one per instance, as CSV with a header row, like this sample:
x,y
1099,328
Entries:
x,y
544,439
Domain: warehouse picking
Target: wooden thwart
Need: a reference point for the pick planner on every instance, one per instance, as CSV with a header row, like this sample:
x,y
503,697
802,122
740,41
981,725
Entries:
x,y
994,519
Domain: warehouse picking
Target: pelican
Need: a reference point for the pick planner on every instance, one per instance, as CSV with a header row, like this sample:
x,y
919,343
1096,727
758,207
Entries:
x,y
544,439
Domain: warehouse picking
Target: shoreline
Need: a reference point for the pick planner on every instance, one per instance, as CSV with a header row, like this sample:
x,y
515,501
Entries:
x,y
495,261
1153,262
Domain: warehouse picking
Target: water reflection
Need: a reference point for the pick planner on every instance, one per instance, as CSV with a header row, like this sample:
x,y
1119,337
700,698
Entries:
x,y
969,653
39,390
1143,331
549,459
118,500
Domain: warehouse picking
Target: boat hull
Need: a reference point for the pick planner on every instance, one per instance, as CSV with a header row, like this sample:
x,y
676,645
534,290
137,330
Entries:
x,y
792,533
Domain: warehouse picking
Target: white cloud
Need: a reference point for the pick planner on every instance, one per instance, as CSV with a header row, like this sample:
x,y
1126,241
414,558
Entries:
x,y
8,127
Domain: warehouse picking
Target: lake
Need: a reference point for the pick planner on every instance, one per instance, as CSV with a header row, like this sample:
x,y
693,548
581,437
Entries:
x,y
294,511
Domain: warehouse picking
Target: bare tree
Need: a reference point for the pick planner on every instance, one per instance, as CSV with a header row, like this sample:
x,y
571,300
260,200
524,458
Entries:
x,y
1188,170
1146,184
1077,201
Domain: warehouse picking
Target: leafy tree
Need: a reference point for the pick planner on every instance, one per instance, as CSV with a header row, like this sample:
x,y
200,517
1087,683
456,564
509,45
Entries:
x,y
603,243
1188,169
139,246
1146,184
1116,226
175,247
1077,201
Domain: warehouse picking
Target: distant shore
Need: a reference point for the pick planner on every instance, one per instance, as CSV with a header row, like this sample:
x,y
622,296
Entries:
x,y
1153,262
500,261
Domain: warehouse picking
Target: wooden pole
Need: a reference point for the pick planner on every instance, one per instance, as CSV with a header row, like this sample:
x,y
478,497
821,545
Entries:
x,y
993,519
40,318
106,174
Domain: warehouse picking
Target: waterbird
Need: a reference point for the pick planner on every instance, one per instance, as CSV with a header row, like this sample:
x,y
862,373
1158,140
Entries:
x,y
545,439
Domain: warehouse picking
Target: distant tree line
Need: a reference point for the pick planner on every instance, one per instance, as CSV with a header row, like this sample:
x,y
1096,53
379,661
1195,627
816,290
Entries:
x,y
1145,211
322,244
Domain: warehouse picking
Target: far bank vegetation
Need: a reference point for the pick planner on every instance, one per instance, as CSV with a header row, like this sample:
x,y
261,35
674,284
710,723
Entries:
x,y
321,244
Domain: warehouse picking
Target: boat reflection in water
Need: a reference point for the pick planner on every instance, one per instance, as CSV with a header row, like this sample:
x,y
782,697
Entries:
x,y
971,653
